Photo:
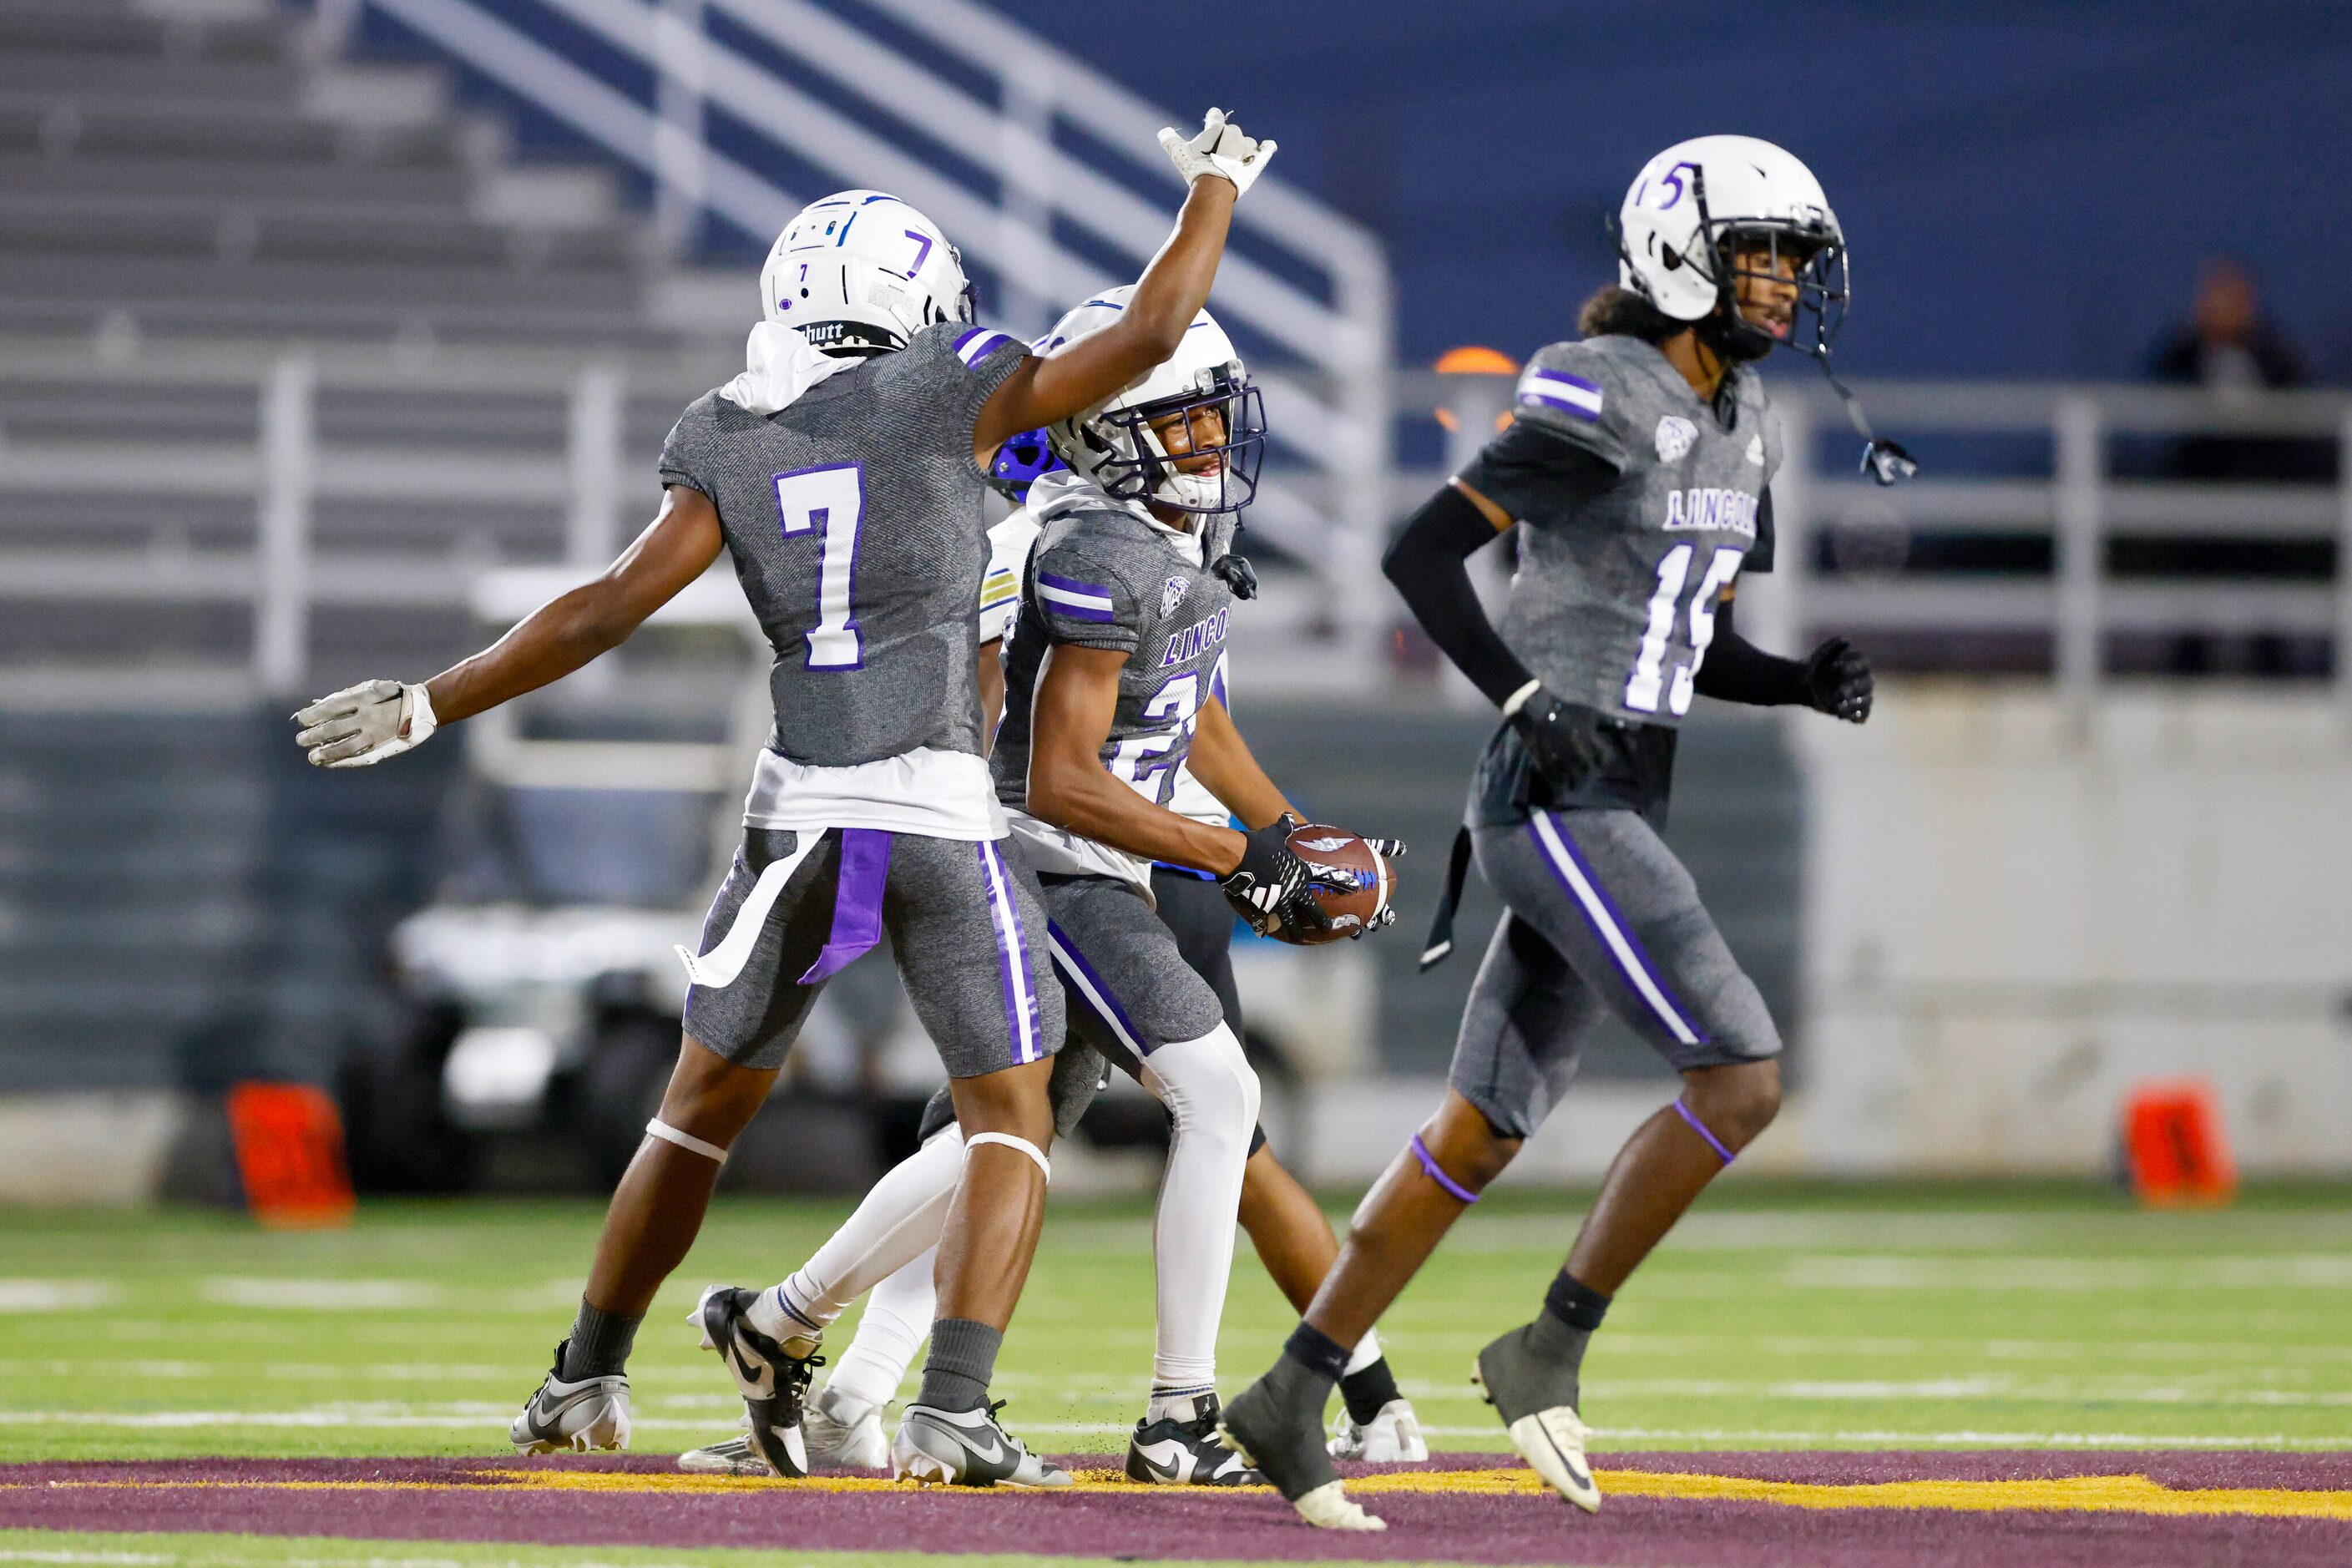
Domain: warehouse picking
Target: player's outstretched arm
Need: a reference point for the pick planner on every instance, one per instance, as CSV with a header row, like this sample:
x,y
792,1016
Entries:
x,y
364,724
1220,163
1077,696
1835,679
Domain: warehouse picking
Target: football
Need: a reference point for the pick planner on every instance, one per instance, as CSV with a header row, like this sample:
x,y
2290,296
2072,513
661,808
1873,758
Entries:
x,y
1365,880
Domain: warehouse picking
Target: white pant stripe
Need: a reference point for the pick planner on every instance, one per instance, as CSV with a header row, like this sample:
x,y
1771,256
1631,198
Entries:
x,y
1074,976
1008,936
1629,957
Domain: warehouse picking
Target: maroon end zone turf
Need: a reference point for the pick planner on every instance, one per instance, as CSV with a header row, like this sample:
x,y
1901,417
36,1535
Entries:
x,y
467,1500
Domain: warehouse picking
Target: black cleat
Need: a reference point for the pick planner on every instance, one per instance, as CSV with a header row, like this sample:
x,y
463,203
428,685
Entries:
x,y
1278,1430
1536,1399
772,1384
1173,1452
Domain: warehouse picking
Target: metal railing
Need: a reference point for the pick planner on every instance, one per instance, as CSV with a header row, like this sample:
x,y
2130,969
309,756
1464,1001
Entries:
x,y
1333,342
2080,505
590,475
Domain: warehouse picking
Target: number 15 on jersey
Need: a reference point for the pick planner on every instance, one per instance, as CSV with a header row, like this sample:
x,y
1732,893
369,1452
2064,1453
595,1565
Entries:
x,y
829,502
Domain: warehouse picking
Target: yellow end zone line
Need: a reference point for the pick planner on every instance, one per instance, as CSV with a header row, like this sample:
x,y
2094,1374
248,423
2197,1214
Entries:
x,y
2073,1494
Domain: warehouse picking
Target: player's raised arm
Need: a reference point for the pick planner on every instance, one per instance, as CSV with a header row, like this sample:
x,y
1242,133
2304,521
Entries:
x,y
361,725
1220,163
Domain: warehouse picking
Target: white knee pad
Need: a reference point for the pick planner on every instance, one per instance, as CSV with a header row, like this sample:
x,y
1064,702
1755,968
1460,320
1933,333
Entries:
x,y
686,1141
975,1139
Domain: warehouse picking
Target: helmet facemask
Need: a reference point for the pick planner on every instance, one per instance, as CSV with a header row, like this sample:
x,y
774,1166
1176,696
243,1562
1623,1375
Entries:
x,y
1815,255
1133,461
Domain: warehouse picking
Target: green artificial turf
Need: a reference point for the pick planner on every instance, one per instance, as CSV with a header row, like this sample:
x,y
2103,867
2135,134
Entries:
x,y
1874,1315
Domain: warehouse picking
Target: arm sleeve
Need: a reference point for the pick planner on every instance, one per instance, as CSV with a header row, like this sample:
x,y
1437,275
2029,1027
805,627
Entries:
x,y
1427,564
1759,556
1081,600
1737,671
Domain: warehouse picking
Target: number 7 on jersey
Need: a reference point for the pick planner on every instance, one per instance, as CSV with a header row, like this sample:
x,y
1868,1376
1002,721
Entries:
x,y
829,502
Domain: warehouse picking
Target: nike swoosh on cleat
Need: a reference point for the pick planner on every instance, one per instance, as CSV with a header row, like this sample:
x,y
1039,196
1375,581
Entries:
x,y
1171,1469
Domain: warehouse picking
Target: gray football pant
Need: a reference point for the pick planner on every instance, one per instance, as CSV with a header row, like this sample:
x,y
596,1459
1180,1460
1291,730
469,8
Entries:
x,y
1599,914
965,922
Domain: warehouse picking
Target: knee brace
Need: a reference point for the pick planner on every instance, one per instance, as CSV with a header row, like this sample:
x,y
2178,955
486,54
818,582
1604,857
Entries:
x,y
662,1129
973,1140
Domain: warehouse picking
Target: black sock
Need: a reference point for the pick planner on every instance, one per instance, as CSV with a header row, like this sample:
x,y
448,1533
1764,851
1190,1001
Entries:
x,y
963,1361
1571,1311
1317,1352
1367,1390
599,1345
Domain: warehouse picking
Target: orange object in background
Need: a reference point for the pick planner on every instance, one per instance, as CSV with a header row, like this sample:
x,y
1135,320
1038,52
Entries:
x,y
289,1152
2178,1149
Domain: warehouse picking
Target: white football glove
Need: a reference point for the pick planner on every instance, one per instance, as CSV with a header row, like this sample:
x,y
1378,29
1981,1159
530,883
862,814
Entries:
x,y
361,725
1221,148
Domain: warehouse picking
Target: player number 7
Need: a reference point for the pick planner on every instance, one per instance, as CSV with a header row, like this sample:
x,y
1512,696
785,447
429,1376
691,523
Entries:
x,y
830,502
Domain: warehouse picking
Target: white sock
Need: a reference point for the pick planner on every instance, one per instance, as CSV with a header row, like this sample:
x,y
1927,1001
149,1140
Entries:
x,y
897,1321
1207,1084
899,1221
1368,1351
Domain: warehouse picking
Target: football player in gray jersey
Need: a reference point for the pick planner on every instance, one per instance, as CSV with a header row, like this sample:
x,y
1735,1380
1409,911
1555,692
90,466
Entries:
x,y
1293,1237
1636,470
843,474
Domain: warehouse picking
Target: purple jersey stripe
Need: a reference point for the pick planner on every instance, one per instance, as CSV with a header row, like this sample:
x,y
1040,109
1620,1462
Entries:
x,y
1080,601
1577,382
978,345
1590,416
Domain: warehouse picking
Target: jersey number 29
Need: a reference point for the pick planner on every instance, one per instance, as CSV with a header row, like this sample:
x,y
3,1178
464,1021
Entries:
x,y
1648,681
829,502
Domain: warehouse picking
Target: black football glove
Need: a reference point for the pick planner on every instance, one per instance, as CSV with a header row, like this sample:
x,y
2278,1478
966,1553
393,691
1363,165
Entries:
x,y
1270,886
1838,682
1236,573
1563,739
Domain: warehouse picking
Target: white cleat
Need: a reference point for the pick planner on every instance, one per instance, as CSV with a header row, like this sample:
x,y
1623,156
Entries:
x,y
735,1457
1553,1442
845,1432
966,1448
1392,1437
1330,1507
573,1417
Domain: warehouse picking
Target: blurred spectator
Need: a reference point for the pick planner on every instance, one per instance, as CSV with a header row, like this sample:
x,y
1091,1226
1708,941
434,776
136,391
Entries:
x,y
2229,347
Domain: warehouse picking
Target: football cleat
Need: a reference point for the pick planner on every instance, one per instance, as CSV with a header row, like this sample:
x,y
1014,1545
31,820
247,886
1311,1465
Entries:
x,y
1183,1450
772,1384
1285,1447
1536,1400
1390,1437
846,1432
575,1416
735,1457
966,1448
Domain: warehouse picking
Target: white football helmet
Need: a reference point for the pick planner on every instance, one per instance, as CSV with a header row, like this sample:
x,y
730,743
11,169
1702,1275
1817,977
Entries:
x,y
861,272
1114,444
1693,206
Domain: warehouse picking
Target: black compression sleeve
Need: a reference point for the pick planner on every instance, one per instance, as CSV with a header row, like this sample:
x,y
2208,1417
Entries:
x,y
1737,671
1427,564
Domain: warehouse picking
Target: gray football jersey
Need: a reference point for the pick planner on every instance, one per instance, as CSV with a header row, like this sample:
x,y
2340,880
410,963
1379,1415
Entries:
x,y
854,518
1614,600
1103,577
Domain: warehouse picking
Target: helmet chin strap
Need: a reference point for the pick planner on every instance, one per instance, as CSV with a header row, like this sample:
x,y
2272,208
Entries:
x,y
1883,460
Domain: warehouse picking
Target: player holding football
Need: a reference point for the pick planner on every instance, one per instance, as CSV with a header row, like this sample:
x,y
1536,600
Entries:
x,y
1637,467
843,474
1110,679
